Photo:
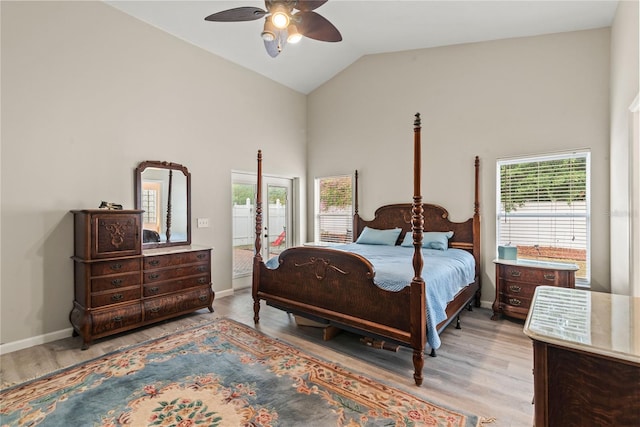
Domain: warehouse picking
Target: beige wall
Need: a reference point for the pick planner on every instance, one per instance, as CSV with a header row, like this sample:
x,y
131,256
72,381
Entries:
x,y
495,99
624,89
87,93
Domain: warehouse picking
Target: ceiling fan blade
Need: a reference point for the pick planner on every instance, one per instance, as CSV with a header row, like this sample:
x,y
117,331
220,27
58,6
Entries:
x,y
307,5
246,13
316,27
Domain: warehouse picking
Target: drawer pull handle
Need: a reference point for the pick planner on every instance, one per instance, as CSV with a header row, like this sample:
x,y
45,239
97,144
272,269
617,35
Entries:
x,y
154,290
155,309
202,280
154,276
550,276
116,282
116,266
515,301
117,297
154,262
514,288
202,268
202,256
117,318
203,298
515,273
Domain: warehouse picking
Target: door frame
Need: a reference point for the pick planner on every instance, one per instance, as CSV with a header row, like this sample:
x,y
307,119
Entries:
x,y
240,281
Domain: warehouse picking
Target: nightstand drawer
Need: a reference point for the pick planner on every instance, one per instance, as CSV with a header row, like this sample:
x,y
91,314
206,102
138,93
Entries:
x,y
516,301
518,289
531,275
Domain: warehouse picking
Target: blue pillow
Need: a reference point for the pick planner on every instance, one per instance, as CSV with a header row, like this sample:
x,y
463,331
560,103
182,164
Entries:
x,y
373,236
431,240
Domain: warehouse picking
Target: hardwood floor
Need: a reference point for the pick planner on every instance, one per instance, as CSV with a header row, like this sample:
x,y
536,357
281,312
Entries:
x,y
485,368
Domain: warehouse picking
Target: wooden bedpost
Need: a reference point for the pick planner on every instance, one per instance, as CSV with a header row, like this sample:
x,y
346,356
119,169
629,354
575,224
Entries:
x,y
356,217
418,301
476,231
257,256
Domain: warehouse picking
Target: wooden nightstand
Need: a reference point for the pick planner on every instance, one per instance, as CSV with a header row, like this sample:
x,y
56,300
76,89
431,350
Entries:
x,y
516,281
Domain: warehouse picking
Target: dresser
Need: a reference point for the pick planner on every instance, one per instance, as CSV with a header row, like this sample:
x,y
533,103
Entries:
x,y
586,356
517,280
118,287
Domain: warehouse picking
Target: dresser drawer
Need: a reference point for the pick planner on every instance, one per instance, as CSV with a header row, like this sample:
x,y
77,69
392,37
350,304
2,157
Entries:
x,y
160,288
173,273
115,282
109,320
115,297
161,261
155,308
115,267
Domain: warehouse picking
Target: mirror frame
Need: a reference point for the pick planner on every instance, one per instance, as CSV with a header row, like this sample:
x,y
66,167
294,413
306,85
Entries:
x,y
138,197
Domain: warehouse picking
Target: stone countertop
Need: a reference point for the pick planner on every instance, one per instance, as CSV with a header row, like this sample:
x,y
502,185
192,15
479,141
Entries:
x,y
594,322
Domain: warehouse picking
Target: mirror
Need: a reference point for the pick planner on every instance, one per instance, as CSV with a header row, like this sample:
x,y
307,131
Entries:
x,y
163,191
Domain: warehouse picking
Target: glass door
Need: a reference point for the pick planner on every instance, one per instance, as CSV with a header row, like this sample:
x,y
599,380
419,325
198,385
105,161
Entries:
x,y
276,219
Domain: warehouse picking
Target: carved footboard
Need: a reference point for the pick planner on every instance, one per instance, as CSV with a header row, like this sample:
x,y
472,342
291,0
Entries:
x,y
337,286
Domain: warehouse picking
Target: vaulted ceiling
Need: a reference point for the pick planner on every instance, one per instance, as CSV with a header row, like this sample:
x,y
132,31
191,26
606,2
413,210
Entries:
x,y
367,27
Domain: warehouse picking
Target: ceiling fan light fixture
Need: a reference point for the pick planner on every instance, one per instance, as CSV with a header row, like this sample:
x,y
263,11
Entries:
x,y
280,16
293,35
269,31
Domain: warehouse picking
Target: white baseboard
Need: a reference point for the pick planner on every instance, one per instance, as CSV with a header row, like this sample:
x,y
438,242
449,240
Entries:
x,y
222,294
37,340
486,304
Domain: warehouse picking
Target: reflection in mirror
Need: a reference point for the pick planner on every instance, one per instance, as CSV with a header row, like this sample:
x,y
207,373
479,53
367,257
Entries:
x,y
163,192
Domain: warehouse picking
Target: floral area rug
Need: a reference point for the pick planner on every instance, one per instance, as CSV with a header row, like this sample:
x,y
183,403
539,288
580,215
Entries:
x,y
220,374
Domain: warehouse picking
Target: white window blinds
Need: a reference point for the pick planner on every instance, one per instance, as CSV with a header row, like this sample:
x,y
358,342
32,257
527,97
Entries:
x,y
334,209
543,209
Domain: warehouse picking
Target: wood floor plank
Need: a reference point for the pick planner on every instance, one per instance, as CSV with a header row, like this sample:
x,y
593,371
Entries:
x,y
485,368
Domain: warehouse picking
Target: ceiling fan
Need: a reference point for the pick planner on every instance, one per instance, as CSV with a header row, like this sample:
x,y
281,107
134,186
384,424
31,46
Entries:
x,y
286,21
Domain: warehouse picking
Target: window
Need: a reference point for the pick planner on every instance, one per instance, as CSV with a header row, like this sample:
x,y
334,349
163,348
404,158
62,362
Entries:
x,y
543,209
151,205
334,209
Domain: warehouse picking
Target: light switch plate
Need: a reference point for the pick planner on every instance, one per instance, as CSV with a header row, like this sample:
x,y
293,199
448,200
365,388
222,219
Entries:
x,y
203,222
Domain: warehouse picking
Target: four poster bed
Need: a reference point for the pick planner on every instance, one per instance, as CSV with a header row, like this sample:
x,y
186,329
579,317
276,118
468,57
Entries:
x,y
353,288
